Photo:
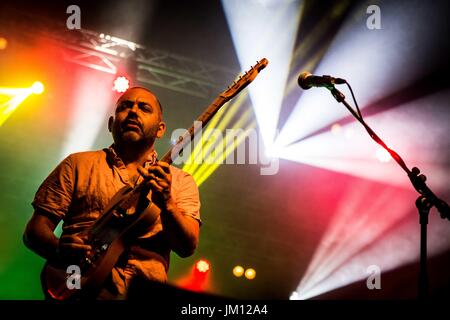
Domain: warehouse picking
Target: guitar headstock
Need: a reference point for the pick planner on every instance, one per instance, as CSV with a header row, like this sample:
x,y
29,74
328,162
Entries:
x,y
244,80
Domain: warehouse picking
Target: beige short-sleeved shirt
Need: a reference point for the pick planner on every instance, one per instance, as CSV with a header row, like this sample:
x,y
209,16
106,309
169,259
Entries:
x,y
81,186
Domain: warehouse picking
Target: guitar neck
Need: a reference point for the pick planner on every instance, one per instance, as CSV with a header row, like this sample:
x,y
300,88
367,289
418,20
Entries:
x,y
206,116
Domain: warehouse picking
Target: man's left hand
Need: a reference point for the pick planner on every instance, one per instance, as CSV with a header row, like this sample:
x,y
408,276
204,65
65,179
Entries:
x,y
160,180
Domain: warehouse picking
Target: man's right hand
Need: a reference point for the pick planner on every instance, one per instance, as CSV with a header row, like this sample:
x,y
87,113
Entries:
x,y
73,247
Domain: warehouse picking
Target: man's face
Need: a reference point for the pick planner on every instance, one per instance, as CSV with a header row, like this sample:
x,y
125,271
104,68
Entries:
x,y
137,118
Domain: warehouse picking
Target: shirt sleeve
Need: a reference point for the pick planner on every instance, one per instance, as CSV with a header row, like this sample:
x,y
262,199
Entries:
x,y
55,193
187,197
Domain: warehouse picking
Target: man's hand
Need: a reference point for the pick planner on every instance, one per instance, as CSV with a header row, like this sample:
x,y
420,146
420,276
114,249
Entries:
x,y
73,247
182,231
160,180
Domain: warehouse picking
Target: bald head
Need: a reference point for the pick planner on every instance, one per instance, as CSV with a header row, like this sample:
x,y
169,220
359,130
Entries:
x,y
143,94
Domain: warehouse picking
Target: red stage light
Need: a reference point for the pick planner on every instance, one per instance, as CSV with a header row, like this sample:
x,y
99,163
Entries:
x,y
121,84
202,266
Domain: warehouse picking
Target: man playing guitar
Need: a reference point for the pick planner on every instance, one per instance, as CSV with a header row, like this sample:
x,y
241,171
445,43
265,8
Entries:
x,y
82,185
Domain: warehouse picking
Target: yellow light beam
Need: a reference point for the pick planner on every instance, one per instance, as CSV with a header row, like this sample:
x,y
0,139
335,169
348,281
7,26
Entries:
x,y
229,113
224,115
14,97
212,144
12,91
189,166
214,162
8,107
211,168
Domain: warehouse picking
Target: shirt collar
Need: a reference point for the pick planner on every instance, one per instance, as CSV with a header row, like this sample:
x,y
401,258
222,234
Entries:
x,y
116,161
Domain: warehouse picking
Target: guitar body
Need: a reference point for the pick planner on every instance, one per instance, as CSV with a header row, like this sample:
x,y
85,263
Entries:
x,y
55,277
108,238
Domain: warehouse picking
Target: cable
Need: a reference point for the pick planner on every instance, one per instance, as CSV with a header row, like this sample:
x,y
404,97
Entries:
x,y
354,99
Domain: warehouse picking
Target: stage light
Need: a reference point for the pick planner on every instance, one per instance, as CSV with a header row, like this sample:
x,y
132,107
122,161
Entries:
x,y
316,108
238,271
353,242
207,169
202,266
294,296
93,102
379,233
8,107
211,150
121,84
198,279
220,121
255,26
37,87
3,43
14,97
250,273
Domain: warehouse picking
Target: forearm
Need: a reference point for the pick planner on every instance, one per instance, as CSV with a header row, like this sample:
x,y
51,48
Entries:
x,y
43,244
41,239
182,231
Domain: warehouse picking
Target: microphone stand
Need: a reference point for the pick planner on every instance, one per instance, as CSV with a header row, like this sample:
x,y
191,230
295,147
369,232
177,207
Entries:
x,y
426,200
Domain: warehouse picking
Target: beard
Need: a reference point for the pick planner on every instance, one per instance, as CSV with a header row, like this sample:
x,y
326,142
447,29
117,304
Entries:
x,y
133,137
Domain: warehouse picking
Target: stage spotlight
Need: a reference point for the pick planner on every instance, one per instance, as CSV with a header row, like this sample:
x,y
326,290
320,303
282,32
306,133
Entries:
x,y
37,87
202,266
250,273
255,26
3,43
238,271
121,84
198,278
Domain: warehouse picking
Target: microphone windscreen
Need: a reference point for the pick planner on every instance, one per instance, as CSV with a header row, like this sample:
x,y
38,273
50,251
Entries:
x,y
302,80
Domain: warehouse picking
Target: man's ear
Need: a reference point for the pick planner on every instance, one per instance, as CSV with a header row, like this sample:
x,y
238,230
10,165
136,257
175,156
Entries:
x,y
110,123
161,129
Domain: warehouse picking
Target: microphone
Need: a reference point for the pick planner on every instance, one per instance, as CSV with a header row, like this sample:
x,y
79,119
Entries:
x,y
306,80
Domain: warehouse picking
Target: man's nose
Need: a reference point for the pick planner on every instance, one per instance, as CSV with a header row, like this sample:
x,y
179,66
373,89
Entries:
x,y
134,108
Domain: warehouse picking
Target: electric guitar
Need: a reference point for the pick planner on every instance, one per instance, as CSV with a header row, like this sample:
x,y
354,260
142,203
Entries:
x,y
128,211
